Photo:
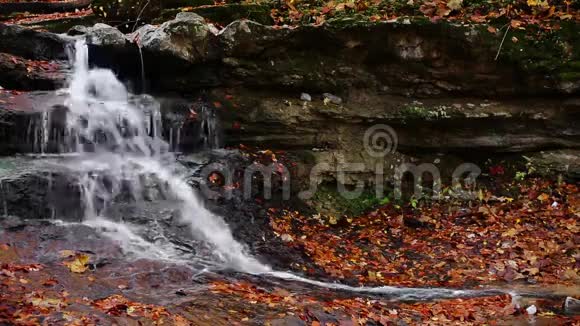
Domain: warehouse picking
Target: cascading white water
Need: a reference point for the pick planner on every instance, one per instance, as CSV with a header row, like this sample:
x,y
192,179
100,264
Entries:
x,y
119,142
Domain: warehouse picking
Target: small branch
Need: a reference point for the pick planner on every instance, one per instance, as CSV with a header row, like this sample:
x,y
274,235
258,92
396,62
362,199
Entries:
x,y
139,16
502,40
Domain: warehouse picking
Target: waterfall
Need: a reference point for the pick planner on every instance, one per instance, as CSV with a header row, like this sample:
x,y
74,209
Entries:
x,y
118,142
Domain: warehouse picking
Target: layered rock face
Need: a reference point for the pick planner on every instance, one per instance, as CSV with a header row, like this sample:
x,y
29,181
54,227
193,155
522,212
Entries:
x,y
448,91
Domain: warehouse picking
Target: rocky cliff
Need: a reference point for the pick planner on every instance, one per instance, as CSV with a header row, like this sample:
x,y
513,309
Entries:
x,y
444,88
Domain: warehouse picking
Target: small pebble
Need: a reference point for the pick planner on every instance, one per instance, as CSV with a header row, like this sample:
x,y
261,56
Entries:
x,y
286,238
531,310
306,97
332,98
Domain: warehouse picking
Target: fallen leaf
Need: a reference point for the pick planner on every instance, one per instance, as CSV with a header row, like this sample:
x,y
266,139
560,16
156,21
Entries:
x,y
79,264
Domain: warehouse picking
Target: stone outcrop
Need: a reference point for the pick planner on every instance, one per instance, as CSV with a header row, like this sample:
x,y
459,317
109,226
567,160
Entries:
x,y
103,35
31,44
186,37
31,60
18,73
420,60
317,90
564,162
42,7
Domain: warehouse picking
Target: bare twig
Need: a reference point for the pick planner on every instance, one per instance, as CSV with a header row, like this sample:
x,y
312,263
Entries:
x,y
139,16
502,40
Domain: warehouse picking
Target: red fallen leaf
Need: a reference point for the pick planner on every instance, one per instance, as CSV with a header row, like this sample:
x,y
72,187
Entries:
x,y
50,282
217,105
326,10
478,18
514,23
215,178
229,97
236,126
496,170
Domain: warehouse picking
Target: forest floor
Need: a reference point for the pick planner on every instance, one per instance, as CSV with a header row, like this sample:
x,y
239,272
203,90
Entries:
x,y
522,239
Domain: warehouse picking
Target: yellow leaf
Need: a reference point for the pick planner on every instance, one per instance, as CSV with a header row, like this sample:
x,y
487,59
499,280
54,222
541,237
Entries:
x,y
332,220
79,265
454,4
510,233
543,197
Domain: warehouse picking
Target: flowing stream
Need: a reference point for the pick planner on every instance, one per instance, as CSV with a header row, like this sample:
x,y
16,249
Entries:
x,y
117,141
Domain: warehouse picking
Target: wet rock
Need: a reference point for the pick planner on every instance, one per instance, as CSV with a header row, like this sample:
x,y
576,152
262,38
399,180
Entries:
x,y
244,38
18,73
246,217
38,189
564,162
78,30
31,44
332,98
306,97
32,122
572,306
105,35
186,37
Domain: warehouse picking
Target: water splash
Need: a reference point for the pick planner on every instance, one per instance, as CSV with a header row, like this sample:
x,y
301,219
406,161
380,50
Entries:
x,y
118,139
4,202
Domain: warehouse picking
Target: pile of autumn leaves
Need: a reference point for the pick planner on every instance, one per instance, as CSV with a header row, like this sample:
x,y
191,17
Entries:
x,y
532,238
526,11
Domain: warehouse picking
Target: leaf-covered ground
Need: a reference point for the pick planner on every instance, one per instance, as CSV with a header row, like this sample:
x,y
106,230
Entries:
x,y
475,11
524,238
532,238
27,18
